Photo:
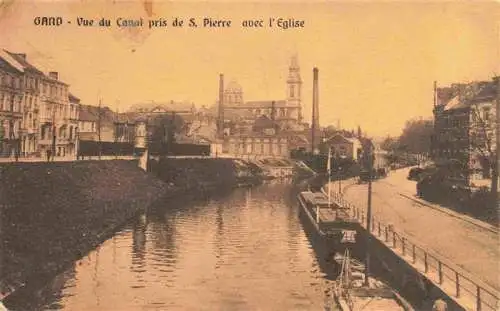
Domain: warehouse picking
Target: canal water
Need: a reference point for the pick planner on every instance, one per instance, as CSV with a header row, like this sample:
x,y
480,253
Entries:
x,y
243,251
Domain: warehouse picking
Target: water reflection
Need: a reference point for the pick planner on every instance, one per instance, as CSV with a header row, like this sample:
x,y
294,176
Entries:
x,y
245,251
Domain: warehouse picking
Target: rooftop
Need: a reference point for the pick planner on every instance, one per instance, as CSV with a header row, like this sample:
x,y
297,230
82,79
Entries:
x,y
21,60
171,106
91,113
463,95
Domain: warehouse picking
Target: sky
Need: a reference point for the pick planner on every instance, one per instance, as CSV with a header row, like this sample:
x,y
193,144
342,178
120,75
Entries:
x,y
377,60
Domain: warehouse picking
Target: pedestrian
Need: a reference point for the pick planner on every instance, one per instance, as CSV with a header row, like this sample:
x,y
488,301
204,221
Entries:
x,y
439,305
48,155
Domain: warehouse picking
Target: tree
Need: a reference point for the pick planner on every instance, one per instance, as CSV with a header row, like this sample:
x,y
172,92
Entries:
x,y
389,144
482,141
416,136
163,131
484,99
496,162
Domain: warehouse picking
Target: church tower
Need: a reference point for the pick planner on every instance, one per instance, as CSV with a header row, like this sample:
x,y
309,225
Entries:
x,y
294,89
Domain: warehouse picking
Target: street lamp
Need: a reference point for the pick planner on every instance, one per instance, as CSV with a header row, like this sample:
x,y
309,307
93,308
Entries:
x,y
53,132
77,143
340,179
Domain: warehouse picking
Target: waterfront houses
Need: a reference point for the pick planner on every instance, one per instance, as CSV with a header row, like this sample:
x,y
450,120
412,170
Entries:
x,y
57,118
344,147
38,114
464,127
264,139
97,123
11,97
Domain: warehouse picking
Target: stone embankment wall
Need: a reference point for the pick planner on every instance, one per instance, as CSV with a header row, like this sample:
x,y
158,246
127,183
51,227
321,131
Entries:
x,y
54,213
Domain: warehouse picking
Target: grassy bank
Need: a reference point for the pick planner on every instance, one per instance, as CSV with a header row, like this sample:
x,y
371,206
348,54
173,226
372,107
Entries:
x,y
54,212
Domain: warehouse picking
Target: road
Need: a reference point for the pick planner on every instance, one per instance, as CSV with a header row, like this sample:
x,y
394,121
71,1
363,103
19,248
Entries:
x,y
467,245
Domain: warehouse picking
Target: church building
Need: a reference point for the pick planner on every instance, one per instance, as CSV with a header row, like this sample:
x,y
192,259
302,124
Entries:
x,y
287,112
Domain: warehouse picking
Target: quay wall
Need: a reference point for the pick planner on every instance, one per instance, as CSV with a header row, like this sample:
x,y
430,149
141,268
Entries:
x,y
206,174
54,213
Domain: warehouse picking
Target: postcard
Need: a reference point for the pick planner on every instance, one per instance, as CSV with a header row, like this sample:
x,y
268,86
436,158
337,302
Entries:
x,y
249,155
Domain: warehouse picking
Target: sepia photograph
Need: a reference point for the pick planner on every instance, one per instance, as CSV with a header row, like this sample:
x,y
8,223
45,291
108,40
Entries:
x,y
283,155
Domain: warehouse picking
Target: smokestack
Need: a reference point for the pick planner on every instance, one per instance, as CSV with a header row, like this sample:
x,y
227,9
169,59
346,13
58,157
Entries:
x,y
315,112
220,125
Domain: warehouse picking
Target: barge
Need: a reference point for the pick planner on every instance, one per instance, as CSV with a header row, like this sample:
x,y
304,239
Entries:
x,y
343,237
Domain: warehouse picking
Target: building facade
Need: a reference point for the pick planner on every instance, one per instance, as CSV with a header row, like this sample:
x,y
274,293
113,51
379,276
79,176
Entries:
x,y
263,140
256,146
11,112
97,123
343,147
58,116
32,81
38,114
465,127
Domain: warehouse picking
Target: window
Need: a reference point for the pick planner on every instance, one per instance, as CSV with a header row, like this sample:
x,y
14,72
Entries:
x,y
486,114
292,90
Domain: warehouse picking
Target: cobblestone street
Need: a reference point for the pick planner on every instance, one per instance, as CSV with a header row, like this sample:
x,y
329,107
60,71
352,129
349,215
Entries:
x,y
465,243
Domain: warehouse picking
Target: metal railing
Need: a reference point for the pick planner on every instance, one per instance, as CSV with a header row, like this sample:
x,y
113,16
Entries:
x,y
467,290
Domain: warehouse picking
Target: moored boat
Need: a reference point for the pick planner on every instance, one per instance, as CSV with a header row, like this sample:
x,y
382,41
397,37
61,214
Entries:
x,y
352,293
328,218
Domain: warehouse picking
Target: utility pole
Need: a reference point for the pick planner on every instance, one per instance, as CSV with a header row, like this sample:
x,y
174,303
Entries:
x,y
434,111
369,153
340,178
99,129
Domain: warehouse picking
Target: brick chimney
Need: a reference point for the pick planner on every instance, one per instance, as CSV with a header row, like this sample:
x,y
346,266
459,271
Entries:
x,y
315,112
54,75
220,120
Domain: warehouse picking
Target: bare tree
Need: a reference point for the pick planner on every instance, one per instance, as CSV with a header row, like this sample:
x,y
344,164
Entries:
x,y
482,135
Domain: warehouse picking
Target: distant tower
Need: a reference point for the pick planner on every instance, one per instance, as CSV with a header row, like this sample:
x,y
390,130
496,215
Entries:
x,y
315,113
294,88
220,121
